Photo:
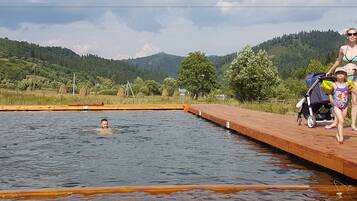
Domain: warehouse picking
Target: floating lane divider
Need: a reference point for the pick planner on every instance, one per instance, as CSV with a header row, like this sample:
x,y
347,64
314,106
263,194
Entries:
x,y
87,191
94,107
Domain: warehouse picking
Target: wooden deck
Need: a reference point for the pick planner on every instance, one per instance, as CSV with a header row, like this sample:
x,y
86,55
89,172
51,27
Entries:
x,y
317,145
91,107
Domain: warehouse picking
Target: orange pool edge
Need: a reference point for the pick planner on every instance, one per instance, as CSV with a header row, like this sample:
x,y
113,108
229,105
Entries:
x,y
94,107
86,191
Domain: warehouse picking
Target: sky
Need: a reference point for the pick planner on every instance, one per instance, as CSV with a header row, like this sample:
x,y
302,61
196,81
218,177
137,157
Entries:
x,y
120,29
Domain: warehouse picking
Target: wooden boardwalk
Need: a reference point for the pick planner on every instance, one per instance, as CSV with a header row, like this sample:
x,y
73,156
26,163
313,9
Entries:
x,y
317,145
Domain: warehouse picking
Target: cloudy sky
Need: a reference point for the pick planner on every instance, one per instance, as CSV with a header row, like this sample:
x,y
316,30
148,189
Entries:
x,y
120,29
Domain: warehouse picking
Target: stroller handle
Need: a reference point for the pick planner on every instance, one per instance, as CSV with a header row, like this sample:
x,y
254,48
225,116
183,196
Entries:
x,y
329,77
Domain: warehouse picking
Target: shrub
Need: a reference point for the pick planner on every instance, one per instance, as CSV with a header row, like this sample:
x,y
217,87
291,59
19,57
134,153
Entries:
x,y
165,93
121,92
62,90
84,91
252,76
108,92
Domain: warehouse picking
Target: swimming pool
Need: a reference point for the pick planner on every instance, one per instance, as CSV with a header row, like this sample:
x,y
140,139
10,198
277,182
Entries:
x,y
60,149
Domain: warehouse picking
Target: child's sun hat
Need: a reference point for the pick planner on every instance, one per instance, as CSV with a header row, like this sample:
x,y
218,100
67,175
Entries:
x,y
340,70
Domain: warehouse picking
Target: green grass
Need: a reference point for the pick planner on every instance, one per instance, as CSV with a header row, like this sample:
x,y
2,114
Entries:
x,y
47,97
12,97
272,106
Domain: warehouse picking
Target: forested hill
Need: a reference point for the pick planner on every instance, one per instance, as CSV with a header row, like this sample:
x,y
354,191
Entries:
x,y
170,64
296,50
65,60
21,60
288,53
158,62
293,51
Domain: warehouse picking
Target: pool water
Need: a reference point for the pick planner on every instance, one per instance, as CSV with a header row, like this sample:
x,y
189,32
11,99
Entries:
x,y
62,149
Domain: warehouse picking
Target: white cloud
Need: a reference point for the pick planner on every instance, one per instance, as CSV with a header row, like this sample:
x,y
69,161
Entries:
x,y
225,6
83,48
37,1
53,42
343,31
147,49
110,36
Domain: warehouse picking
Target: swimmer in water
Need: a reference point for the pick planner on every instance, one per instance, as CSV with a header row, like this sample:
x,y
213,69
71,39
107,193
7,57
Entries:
x,y
104,127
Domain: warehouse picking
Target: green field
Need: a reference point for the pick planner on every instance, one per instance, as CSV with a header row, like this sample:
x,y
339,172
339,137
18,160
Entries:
x,y
46,97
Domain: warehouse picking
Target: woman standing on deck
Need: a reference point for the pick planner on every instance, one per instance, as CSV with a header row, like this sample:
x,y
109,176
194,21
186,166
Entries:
x,y
348,57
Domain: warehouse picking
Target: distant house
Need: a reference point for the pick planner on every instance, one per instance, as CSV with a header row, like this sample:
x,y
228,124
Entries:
x,y
221,96
182,92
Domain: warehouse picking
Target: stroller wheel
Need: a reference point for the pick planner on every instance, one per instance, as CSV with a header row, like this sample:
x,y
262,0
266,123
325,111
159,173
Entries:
x,y
311,121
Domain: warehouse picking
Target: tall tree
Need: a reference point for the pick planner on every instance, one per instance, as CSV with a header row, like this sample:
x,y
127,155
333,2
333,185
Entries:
x,y
197,74
252,76
170,85
315,66
153,86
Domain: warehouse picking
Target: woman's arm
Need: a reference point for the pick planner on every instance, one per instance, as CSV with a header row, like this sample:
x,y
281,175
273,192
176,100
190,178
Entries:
x,y
337,62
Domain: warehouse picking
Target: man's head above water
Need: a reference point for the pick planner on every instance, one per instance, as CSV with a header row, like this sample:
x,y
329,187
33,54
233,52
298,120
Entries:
x,y
104,123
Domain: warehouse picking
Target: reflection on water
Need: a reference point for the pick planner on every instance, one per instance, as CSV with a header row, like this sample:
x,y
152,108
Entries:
x,y
56,149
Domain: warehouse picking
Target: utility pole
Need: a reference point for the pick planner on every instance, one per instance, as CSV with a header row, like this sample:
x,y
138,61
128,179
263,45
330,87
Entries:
x,y
127,88
74,83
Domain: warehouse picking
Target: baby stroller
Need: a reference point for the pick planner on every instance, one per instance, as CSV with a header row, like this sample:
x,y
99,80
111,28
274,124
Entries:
x,y
315,106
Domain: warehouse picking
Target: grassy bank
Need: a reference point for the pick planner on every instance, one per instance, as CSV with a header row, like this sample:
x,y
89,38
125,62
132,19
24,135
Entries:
x,y
273,106
12,97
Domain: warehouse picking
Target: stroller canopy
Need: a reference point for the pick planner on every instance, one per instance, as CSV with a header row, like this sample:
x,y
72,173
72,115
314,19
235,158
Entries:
x,y
316,93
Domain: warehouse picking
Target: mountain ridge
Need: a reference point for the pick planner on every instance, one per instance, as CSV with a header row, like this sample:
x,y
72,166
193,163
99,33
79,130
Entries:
x,y
288,52
20,60
94,65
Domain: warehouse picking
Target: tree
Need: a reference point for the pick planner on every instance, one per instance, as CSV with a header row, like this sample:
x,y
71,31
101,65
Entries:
x,y
316,66
170,85
252,76
139,86
197,74
153,87
32,82
105,83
